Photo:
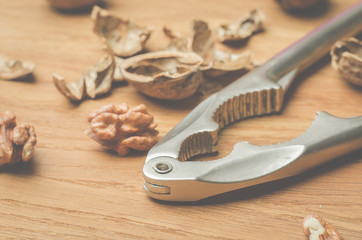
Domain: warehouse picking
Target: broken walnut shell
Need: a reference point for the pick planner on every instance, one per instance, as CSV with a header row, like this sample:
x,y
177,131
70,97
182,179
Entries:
x,y
122,37
121,128
224,62
118,76
16,141
242,28
178,42
297,4
94,82
216,62
315,228
165,74
347,59
12,69
72,4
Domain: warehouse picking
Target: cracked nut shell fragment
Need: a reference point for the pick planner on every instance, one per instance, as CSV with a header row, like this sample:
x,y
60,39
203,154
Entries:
x,y
347,60
95,81
12,69
242,28
169,75
72,4
16,141
122,37
216,62
315,228
297,4
121,128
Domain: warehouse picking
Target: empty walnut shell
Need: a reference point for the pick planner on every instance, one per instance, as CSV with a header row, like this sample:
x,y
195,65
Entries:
x,y
224,62
347,60
297,4
241,29
72,4
16,141
94,82
215,61
122,37
178,42
12,69
165,75
118,76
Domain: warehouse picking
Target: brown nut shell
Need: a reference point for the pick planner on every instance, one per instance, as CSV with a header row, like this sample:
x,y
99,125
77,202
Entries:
x,y
94,82
216,62
347,60
72,4
297,4
12,69
165,74
122,37
242,28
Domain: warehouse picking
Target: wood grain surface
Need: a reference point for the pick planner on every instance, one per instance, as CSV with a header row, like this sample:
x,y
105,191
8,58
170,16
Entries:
x,y
75,189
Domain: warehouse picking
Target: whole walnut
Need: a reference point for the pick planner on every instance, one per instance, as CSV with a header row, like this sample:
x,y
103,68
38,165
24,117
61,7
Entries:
x,y
121,128
16,141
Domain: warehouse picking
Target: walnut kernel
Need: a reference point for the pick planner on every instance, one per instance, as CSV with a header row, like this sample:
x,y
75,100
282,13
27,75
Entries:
x,y
16,141
315,228
121,128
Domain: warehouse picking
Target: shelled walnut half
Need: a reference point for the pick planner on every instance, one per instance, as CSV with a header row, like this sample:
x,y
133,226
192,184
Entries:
x,y
347,59
16,141
12,69
122,37
315,228
121,128
94,82
165,74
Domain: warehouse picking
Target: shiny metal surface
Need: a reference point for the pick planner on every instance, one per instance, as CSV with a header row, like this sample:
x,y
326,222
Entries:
x,y
168,174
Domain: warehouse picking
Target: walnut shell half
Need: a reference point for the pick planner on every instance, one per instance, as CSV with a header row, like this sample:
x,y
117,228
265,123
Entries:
x,y
347,59
216,62
242,28
165,74
94,81
12,69
72,4
297,4
122,37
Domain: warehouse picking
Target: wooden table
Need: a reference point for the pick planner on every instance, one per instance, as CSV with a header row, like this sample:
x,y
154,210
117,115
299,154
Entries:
x,y
75,189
